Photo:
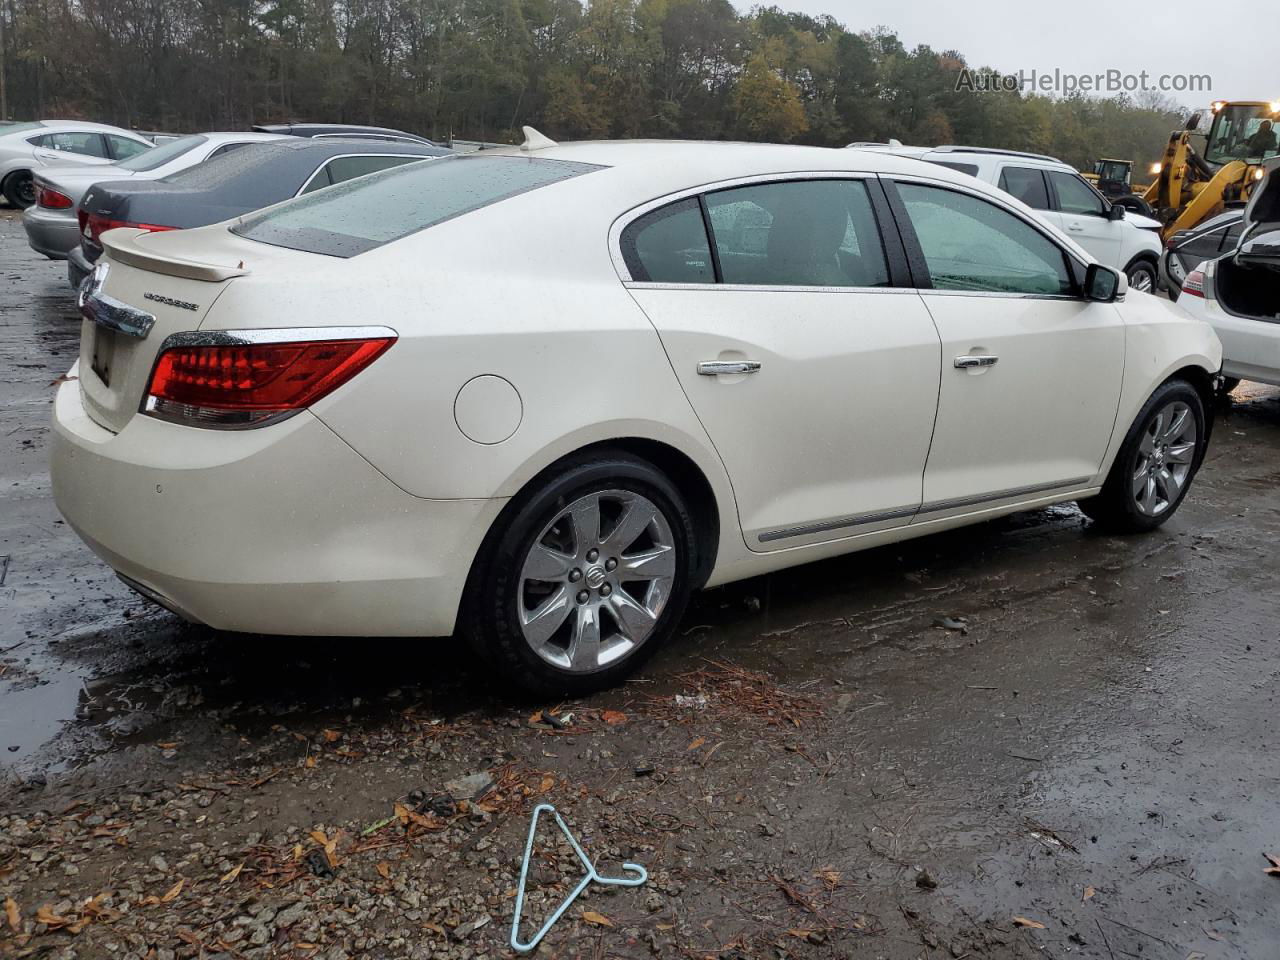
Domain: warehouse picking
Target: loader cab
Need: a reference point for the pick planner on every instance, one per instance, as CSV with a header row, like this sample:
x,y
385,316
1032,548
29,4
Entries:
x,y
1248,131
1114,178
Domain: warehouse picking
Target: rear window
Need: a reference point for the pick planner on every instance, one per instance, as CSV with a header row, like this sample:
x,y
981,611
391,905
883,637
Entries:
x,y
157,157
360,215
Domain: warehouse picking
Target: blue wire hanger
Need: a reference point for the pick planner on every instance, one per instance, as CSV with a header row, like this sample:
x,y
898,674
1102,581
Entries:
x,y
640,875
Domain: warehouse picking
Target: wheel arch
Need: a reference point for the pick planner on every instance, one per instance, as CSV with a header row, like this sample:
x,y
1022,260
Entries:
x,y
1152,257
677,465
1205,384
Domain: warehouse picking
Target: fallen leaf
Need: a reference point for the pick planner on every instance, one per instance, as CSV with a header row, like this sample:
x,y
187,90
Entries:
x,y
402,814
384,869
830,878
1088,894
596,919
310,762
799,934
231,874
1027,922
613,717
172,893
695,743
434,928
1274,869
171,745
12,915
319,837
330,735
50,919
547,783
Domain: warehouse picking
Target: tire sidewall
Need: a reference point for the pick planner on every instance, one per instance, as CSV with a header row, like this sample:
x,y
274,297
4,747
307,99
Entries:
x,y
12,185
495,627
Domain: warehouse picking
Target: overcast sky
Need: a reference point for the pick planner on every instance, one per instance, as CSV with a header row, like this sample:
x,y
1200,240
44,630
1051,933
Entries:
x,y
1239,51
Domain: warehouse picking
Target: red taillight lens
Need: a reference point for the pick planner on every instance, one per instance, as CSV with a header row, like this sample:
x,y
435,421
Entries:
x,y
247,384
48,197
97,224
1194,284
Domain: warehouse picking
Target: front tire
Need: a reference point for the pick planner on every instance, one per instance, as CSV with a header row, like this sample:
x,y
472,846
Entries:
x,y
584,578
20,189
1142,276
1156,463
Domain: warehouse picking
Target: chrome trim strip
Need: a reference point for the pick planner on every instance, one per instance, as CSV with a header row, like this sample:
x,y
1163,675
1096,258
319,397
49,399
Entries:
x,y
764,288
718,368
937,506
112,314
827,525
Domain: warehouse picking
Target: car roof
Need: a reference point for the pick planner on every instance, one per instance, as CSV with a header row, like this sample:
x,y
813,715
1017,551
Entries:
x,y
961,154
338,129
658,167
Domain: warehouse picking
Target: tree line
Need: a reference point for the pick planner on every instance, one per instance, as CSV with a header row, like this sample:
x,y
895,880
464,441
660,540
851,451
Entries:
x,y
479,69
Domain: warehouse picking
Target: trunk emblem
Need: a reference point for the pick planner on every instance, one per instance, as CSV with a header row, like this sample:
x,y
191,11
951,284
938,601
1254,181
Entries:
x,y
169,301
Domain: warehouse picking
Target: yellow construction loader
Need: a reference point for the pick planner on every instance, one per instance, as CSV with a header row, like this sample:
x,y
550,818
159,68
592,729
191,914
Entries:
x,y
1191,186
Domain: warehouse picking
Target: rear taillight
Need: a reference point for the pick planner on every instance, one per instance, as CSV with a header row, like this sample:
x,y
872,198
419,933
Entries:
x,y
48,197
94,225
1194,284
248,384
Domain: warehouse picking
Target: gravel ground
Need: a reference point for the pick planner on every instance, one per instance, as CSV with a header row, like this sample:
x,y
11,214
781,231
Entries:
x,y
816,768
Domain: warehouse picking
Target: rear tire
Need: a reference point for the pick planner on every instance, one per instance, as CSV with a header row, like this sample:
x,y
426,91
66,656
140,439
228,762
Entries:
x,y
20,189
557,602
1156,463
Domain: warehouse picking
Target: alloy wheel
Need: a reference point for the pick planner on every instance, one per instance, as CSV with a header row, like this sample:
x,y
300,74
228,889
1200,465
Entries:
x,y
1165,456
25,190
1142,281
596,579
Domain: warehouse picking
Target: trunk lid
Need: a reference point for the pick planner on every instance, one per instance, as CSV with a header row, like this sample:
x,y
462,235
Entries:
x,y
154,285
1260,240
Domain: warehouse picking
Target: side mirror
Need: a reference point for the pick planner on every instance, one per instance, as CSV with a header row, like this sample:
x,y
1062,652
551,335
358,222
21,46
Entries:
x,y
1193,123
1103,285
1116,212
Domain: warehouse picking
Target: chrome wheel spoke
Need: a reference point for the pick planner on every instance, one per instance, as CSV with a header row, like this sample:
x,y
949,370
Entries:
x,y
585,517
1177,423
1181,452
1147,446
545,563
584,648
544,620
1162,462
634,521
648,564
634,620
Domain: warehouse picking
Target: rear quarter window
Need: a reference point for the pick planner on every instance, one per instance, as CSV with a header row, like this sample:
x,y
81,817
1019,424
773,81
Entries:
x,y
360,215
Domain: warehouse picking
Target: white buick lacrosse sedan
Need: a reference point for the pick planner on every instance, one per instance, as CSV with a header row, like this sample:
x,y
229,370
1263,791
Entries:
x,y
539,395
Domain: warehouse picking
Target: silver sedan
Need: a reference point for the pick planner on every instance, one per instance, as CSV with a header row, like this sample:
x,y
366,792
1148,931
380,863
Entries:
x,y
28,147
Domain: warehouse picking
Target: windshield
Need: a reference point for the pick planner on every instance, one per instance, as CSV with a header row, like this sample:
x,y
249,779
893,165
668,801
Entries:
x,y
361,214
158,156
1243,132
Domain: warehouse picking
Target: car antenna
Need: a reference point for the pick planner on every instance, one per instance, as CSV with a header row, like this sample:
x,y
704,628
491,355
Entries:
x,y
533,140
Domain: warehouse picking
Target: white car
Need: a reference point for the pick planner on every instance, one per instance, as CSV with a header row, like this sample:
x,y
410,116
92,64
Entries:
x,y
1117,237
540,394
27,147
51,223
1239,294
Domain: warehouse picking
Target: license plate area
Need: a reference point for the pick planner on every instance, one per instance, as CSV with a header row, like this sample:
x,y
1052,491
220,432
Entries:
x,y
104,351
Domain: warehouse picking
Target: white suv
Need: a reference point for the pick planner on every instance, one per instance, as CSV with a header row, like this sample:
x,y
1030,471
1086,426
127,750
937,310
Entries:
x,y
1114,236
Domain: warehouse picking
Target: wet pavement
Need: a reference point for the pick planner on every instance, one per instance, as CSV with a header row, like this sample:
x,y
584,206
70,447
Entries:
x,y
816,767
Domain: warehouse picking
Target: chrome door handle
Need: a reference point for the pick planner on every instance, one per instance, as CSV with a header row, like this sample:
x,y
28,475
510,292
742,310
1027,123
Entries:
x,y
716,368
963,363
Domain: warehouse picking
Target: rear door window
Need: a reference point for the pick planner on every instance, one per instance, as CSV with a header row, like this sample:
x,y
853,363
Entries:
x,y
972,244
368,212
85,144
1027,184
669,245
807,233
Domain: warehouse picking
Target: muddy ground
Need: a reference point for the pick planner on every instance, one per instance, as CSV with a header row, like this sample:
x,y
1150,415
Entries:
x,y
815,769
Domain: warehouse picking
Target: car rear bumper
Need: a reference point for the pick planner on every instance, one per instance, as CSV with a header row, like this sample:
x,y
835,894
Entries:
x,y
78,267
282,530
51,232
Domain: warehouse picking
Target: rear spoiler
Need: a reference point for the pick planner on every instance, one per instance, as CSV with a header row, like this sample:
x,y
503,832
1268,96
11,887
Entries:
x,y
122,244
